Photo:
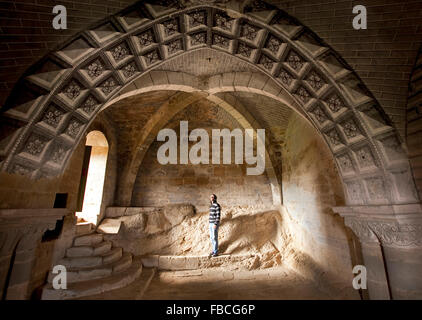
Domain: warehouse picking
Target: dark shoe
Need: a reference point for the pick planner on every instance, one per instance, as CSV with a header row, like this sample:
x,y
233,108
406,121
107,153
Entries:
x,y
210,255
214,255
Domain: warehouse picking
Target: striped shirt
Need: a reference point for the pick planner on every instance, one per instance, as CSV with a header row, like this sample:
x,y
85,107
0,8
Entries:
x,y
215,213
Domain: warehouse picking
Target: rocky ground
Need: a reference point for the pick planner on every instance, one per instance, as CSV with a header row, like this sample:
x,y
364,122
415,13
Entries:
x,y
180,230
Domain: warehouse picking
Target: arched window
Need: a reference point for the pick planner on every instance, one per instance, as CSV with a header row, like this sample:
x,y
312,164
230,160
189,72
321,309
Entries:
x,y
97,147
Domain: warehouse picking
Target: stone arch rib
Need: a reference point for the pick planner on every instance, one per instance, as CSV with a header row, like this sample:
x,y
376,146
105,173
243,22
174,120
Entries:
x,y
54,103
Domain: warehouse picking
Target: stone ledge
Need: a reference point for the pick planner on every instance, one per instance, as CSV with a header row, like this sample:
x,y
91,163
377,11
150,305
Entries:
x,y
190,262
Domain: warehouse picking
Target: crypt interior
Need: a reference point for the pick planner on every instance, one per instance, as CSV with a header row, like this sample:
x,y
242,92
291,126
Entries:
x,y
81,186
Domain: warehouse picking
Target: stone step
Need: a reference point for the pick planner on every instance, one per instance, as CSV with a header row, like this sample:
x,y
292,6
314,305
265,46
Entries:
x,y
94,261
84,274
88,240
96,286
84,228
169,262
134,291
87,251
115,212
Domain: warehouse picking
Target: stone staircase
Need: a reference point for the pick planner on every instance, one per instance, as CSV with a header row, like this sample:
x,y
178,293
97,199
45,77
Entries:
x,y
93,266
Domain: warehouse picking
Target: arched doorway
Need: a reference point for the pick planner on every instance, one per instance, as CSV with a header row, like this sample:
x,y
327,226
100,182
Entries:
x,y
97,147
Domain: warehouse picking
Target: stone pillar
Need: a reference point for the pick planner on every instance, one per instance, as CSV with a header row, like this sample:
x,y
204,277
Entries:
x,y
25,256
21,231
8,243
391,240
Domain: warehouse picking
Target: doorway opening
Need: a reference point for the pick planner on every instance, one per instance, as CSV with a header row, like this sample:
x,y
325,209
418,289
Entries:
x,y
93,176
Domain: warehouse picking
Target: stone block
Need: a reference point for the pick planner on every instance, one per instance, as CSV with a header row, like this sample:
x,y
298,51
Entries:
x,y
159,77
151,261
109,226
113,212
164,263
191,263
258,81
144,82
178,263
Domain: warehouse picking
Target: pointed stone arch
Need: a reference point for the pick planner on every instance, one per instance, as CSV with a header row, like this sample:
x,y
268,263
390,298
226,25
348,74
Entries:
x,y
55,101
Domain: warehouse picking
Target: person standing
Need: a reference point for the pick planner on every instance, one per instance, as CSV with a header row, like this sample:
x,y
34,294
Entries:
x,y
214,221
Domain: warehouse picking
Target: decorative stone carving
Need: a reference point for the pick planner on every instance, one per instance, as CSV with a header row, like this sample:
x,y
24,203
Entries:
x,y
175,46
152,57
365,157
95,69
146,38
285,78
360,228
376,188
273,44
354,189
108,86
398,235
319,114
389,233
303,94
90,105
73,128
266,62
315,81
18,169
345,163
169,23
73,90
244,50
198,38
222,21
350,129
119,52
171,27
221,41
335,103
294,61
129,70
249,32
35,145
52,117
58,154
197,18
334,137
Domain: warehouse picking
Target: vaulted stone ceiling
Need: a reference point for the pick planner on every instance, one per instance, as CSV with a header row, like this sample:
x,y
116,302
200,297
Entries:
x,y
131,114
383,55
66,90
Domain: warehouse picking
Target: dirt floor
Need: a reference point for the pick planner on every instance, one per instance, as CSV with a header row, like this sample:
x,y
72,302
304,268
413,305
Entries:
x,y
273,284
276,283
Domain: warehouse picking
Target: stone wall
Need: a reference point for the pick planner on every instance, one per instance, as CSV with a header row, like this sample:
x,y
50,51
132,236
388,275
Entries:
x,y
382,55
157,184
311,186
414,122
19,191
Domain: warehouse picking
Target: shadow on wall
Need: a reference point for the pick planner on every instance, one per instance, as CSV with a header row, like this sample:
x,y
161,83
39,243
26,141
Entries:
x,y
311,187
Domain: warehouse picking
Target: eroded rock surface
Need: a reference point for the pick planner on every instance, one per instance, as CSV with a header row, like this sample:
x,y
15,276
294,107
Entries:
x,y
180,230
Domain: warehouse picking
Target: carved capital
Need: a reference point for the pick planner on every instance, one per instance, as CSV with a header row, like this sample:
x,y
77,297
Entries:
x,y
393,226
397,235
361,230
